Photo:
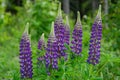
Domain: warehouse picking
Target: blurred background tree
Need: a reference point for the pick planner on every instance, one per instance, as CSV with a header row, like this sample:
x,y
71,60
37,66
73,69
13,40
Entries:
x,y
40,15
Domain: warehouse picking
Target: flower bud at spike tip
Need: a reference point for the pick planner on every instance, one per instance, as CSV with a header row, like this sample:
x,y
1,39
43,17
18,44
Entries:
x,y
78,18
59,10
98,17
67,22
26,29
52,34
42,37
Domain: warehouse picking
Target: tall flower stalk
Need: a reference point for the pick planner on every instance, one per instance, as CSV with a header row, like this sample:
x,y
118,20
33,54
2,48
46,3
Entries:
x,y
77,37
95,40
41,47
59,32
41,42
67,32
25,55
51,55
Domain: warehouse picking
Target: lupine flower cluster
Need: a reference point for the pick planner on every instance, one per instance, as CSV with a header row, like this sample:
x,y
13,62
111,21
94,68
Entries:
x,y
96,34
55,49
41,42
59,32
77,37
67,32
41,46
51,55
25,55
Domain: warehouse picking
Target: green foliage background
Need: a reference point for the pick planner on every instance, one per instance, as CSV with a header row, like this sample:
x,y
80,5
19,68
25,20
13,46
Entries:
x,y
40,15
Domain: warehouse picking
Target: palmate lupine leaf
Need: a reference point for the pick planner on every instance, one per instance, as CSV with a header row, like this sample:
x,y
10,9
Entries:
x,y
51,56
77,37
59,32
25,55
95,40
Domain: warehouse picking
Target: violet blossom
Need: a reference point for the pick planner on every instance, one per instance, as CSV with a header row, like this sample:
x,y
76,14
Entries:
x,y
95,40
51,56
25,55
77,37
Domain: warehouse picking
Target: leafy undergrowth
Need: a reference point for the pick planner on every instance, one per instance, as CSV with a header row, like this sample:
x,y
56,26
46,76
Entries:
x,y
75,68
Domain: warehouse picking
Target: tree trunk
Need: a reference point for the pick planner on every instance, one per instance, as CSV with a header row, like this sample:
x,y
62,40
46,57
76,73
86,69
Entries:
x,y
106,11
66,6
93,6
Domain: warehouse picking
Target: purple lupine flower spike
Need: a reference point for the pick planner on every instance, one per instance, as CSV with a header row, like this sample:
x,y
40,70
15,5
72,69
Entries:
x,y
95,39
77,37
25,55
41,45
59,32
67,32
51,56
41,42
